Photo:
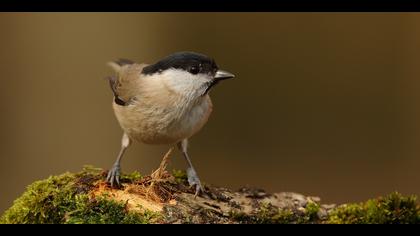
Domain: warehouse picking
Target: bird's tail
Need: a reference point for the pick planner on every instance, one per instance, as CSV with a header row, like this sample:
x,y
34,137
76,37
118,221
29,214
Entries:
x,y
118,64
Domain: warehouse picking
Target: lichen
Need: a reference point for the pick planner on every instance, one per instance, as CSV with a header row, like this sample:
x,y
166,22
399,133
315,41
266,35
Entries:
x,y
65,199
392,209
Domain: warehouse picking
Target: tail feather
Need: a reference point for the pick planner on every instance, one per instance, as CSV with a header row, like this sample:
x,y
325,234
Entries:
x,y
116,65
123,61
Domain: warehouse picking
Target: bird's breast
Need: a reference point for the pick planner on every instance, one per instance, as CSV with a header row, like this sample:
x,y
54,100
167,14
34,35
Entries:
x,y
159,121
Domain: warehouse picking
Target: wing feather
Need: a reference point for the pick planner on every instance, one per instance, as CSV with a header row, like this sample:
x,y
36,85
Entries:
x,y
124,84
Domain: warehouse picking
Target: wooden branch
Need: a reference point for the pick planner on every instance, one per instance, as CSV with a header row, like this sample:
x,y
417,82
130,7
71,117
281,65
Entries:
x,y
86,198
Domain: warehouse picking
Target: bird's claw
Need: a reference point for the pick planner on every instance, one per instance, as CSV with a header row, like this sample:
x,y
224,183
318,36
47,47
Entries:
x,y
113,176
193,180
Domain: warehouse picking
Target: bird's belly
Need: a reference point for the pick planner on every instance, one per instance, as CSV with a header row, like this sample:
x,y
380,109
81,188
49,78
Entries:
x,y
162,125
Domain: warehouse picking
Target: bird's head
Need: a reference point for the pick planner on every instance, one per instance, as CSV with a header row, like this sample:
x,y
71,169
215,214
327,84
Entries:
x,y
187,73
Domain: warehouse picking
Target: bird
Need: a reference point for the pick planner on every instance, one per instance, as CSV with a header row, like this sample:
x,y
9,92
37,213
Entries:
x,y
163,103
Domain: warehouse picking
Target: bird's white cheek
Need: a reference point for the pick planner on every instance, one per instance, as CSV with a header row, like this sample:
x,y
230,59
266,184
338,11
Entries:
x,y
184,83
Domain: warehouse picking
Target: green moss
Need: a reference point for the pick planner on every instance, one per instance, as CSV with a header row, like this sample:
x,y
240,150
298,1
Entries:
x,y
88,169
281,217
104,211
131,178
64,199
268,214
310,214
392,209
180,176
44,201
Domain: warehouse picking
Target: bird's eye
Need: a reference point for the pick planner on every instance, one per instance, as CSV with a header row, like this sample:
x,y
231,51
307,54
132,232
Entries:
x,y
194,70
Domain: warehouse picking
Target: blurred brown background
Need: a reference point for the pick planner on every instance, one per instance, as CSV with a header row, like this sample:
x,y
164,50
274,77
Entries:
x,y
324,104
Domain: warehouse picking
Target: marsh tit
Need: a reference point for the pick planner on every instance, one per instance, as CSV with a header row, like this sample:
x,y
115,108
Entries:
x,y
163,103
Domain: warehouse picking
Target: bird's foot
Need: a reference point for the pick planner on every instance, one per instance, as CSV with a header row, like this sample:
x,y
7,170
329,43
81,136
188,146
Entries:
x,y
114,175
193,180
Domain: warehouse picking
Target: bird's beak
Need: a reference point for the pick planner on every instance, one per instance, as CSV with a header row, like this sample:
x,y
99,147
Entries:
x,y
222,75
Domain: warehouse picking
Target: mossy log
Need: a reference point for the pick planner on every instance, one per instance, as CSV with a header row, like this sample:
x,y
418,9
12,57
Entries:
x,y
86,198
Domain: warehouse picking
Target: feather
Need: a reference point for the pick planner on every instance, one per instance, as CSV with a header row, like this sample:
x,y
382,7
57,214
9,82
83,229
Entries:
x,y
113,83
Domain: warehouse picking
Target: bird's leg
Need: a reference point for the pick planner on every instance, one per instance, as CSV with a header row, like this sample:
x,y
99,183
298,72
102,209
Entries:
x,y
193,179
115,172
159,173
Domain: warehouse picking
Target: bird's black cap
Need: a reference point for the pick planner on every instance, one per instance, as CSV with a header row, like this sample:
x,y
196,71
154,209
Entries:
x,y
189,61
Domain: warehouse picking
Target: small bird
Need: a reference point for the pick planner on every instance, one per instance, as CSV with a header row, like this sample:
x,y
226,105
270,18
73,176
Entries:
x,y
163,103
